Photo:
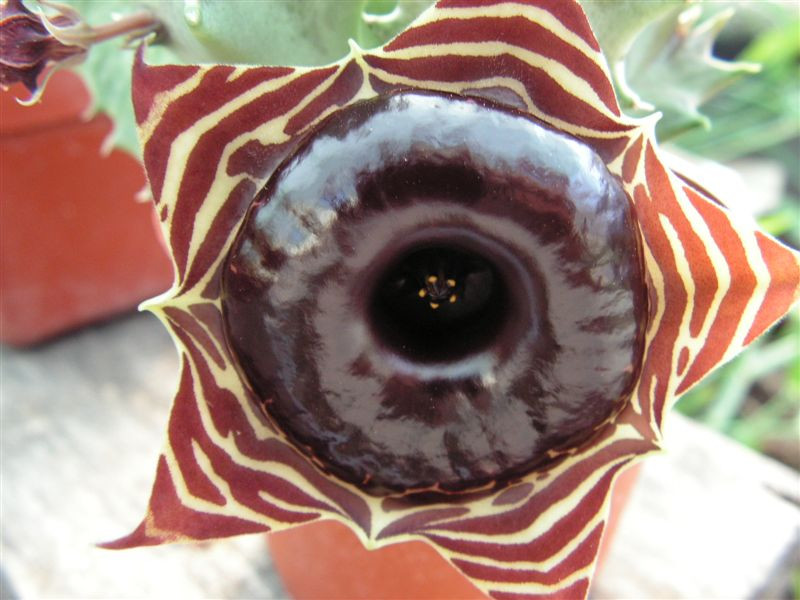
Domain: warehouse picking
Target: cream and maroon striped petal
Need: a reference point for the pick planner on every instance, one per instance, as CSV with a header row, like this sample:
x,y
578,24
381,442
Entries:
x,y
715,281
212,135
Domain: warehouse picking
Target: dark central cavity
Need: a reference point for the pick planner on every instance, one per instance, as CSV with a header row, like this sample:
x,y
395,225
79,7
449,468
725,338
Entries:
x,y
436,294
439,303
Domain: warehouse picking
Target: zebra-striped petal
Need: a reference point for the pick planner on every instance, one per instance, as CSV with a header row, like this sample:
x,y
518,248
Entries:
x,y
213,135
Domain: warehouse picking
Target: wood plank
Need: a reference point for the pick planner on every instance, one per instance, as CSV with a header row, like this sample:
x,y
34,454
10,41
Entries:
x,y
708,519
83,419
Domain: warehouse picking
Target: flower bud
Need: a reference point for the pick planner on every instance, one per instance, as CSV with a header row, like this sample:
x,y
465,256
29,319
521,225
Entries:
x,y
27,47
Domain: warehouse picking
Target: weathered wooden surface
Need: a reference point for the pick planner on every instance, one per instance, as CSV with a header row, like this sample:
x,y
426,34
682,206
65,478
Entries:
x,y
707,519
82,420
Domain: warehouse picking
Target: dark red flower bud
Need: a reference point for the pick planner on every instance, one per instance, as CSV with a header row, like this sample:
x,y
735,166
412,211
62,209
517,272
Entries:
x,y
27,47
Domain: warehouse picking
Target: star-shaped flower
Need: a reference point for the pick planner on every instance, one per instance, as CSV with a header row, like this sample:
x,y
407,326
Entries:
x,y
361,156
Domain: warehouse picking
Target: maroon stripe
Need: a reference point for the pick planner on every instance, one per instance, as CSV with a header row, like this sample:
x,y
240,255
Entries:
x,y
228,417
227,219
419,520
568,12
577,590
200,169
223,405
381,86
210,316
499,95
151,81
581,557
649,210
658,355
783,286
245,483
743,284
213,92
513,494
213,287
607,148
517,31
169,516
405,503
544,91
631,161
185,322
541,548
522,516
350,503
683,363
571,15
702,269
259,160
290,493
184,426
346,85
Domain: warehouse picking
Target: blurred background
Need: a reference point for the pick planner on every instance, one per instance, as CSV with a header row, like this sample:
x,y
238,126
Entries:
x,y
85,384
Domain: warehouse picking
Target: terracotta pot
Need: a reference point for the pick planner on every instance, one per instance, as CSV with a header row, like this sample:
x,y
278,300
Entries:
x,y
75,245
325,560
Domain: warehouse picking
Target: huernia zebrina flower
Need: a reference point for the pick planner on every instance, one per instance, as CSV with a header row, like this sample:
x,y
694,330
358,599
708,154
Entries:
x,y
442,291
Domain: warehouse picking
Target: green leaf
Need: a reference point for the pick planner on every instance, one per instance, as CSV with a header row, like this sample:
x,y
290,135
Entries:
x,y
751,366
672,67
107,72
785,221
383,19
758,113
659,53
276,32
279,32
617,23
287,32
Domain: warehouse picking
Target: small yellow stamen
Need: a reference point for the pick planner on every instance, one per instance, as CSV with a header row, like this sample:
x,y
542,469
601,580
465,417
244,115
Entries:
x,y
432,279
422,293
434,305
453,298
451,283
